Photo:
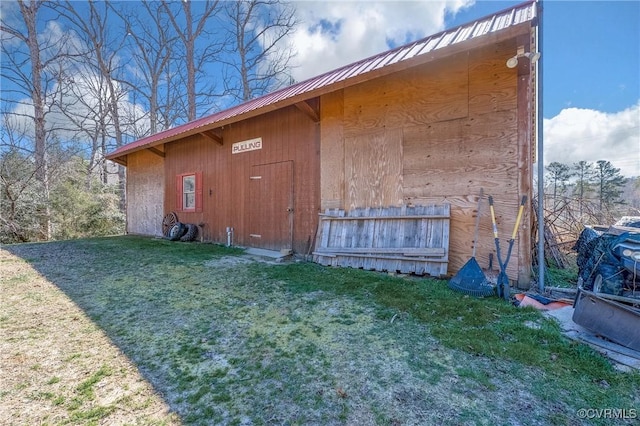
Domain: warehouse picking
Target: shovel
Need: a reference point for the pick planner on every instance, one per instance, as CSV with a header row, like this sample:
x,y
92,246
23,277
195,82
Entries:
x,y
503,288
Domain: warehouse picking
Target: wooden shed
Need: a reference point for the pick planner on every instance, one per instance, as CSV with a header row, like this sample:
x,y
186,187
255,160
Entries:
x,y
424,126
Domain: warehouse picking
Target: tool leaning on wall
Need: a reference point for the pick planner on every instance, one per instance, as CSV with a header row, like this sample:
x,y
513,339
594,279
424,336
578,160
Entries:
x,y
503,287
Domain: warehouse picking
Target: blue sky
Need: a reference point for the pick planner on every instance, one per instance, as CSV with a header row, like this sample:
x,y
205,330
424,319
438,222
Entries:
x,y
590,49
602,49
591,79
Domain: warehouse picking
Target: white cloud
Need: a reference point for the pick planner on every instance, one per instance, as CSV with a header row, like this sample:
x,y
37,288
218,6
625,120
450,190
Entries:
x,y
10,16
584,134
336,33
80,96
77,88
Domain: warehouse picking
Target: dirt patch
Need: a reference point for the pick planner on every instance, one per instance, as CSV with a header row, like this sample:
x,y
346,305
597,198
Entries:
x,y
58,366
230,262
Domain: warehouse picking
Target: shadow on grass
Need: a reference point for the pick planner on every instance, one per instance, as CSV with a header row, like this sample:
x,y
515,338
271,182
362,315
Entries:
x,y
130,287
228,341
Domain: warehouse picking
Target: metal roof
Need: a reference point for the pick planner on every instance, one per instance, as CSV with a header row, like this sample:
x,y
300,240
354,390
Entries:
x,y
342,77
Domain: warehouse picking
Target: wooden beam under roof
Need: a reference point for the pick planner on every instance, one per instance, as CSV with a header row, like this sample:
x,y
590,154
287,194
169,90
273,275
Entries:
x,y
310,110
120,160
156,151
213,136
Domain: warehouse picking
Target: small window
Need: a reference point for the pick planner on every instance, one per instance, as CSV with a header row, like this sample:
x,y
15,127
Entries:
x,y
189,192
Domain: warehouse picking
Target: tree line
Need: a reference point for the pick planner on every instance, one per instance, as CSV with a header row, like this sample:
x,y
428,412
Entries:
x,y
80,79
596,189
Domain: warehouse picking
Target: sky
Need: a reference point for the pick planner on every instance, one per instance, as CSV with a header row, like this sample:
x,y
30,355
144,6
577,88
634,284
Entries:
x,y
590,59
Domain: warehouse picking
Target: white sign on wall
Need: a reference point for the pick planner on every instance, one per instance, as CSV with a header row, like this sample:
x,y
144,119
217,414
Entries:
x,y
244,146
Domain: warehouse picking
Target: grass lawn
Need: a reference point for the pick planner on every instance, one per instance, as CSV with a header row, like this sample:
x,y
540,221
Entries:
x,y
132,330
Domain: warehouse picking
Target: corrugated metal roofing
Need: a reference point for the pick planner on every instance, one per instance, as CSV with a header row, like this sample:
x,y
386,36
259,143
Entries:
x,y
525,12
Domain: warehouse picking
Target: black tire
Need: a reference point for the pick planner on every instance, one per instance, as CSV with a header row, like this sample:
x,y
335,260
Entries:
x,y
608,280
177,231
191,234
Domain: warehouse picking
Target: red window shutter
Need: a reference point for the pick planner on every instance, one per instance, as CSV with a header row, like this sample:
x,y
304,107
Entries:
x,y
199,191
179,193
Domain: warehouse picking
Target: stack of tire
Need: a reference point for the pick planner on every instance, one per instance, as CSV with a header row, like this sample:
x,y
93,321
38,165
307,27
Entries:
x,y
175,230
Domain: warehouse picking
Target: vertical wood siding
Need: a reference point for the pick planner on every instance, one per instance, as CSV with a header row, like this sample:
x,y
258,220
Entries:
x,y
288,136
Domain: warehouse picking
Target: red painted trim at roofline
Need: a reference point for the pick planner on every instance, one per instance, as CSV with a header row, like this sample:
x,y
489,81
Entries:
x,y
363,70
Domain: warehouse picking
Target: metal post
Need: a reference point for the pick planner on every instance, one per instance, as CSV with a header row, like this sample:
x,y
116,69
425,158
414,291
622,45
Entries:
x,y
540,152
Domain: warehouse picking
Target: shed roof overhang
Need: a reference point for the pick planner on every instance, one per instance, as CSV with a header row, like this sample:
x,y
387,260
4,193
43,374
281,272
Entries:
x,y
501,26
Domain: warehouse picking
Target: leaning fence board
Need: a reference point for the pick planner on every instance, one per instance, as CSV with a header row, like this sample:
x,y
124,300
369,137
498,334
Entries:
x,y
408,239
404,251
435,216
378,256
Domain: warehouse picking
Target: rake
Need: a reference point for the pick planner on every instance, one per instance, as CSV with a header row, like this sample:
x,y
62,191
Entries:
x,y
470,279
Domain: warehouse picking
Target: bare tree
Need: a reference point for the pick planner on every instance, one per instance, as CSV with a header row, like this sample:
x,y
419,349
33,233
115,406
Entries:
x,y
17,179
88,116
103,65
258,61
153,43
28,58
192,26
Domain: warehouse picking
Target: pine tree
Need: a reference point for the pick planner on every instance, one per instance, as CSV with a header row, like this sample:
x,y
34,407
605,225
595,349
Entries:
x,y
584,172
610,183
559,174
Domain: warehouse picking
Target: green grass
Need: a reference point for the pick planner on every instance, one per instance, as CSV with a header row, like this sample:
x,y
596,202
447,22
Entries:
x,y
563,277
86,388
53,380
246,342
487,327
92,415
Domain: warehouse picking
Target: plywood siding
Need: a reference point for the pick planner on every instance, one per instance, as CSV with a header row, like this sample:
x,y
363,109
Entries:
x,y
414,96
373,168
229,200
145,193
491,84
443,131
453,157
332,150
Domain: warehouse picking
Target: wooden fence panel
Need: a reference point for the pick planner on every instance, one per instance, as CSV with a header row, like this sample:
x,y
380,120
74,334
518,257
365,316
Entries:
x,y
406,239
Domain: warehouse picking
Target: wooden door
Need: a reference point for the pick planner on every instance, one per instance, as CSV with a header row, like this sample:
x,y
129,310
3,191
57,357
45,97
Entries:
x,y
270,206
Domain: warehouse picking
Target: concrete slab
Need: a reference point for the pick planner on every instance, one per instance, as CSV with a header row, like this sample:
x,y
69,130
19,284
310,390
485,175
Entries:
x,y
269,254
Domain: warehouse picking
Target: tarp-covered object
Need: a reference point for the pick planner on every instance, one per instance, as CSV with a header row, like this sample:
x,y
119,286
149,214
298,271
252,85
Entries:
x,y
602,265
